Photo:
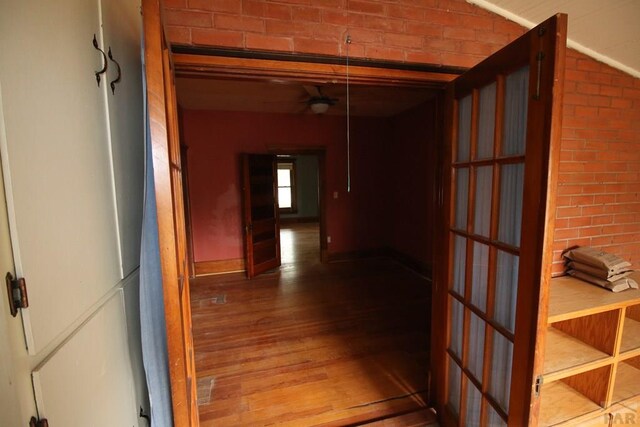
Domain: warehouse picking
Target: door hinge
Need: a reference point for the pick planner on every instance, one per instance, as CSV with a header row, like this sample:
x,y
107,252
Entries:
x,y
538,385
38,423
17,293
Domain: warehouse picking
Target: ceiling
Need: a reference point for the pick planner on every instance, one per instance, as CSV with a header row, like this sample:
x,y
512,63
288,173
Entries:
x,y
608,30
290,97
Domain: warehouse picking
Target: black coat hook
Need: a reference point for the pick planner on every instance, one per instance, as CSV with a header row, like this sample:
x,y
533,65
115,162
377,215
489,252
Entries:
x,y
104,60
117,79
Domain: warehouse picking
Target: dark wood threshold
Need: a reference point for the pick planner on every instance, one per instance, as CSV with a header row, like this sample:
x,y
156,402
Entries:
x,y
299,220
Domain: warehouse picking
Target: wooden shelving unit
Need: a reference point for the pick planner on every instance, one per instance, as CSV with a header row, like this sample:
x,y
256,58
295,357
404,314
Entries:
x,y
592,356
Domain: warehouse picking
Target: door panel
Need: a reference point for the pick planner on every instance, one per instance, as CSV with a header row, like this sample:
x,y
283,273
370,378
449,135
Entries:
x,y
121,30
260,213
502,137
170,213
95,358
58,175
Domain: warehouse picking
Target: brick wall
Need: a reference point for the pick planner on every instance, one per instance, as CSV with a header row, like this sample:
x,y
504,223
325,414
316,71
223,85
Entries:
x,y
450,32
598,201
599,183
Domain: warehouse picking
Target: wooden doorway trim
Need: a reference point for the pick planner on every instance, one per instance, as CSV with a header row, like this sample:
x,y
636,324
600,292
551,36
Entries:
x,y
321,154
224,67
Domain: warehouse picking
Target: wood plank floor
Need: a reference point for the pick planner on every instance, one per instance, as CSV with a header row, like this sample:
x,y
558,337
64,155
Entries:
x,y
313,344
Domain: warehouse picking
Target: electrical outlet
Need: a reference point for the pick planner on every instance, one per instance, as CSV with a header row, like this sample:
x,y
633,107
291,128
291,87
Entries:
x,y
328,239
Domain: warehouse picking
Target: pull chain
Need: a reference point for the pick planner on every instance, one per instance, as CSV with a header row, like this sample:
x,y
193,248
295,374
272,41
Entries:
x,y
348,42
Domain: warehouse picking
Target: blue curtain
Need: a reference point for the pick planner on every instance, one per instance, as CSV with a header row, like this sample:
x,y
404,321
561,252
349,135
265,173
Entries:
x,y
152,320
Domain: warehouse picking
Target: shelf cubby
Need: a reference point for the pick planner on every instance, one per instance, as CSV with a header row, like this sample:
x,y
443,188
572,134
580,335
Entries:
x,y
592,353
631,332
627,383
561,403
565,353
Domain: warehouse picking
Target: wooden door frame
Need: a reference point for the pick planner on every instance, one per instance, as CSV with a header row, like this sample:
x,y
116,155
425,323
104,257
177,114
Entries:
x,y
321,155
207,64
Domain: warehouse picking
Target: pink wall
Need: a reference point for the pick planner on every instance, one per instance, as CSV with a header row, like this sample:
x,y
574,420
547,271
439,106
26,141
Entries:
x,y
216,140
412,161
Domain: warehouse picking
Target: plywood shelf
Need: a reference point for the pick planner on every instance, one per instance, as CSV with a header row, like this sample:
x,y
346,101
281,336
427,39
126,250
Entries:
x,y
562,403
630,336
570,298
566,355
627,383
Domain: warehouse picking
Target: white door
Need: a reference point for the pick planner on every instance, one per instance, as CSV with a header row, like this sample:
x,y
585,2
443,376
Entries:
x,y
72,166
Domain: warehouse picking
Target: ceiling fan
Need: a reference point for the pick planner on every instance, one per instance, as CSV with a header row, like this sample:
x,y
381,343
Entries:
x,y
318,102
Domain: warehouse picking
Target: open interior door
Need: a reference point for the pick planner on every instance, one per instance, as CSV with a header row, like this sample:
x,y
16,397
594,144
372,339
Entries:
x,y
502,137
260,213
165,147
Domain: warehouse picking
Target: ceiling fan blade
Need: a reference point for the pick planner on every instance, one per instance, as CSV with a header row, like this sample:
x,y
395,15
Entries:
x,y
313,91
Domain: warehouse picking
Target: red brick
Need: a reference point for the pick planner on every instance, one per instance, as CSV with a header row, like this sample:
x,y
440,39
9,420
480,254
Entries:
x,y
286,28
372,22
179,35
239,23
384,53
366,7
216,37
425,29
403,40
459,33
337,18
263,42
359,35
406,12
423,57
216,5
307,14
477,48
588,64
266,10
316,46
175,4
188,19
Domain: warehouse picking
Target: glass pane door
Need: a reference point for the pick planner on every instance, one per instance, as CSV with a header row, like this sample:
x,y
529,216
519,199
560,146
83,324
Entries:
x,y
501,160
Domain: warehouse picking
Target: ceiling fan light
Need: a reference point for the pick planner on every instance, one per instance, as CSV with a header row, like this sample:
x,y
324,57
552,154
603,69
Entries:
x,y
319,107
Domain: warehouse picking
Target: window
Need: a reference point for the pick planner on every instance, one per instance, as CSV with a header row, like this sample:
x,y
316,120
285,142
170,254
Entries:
x,y
287,186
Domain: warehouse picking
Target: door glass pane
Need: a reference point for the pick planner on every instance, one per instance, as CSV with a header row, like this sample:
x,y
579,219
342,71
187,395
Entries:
x,y
511,192
284,197
480,274
455,341
462,198
459,264
486,121
454,386
482,215
506,290
474,400
464,128
476,346
500,383
515,112
494,420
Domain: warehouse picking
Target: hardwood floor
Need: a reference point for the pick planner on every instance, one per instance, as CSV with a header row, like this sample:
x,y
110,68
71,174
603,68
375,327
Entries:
x,y
313,344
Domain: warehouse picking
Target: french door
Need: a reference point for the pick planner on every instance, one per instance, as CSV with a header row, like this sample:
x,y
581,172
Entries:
x,y
500,155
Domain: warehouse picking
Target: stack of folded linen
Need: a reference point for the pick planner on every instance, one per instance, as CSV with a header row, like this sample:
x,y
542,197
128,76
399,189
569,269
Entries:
x,y
600,268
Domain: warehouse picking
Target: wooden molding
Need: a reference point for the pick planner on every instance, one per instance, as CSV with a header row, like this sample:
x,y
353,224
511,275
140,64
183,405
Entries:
x,y
234,265
360,254
209,66
420,267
